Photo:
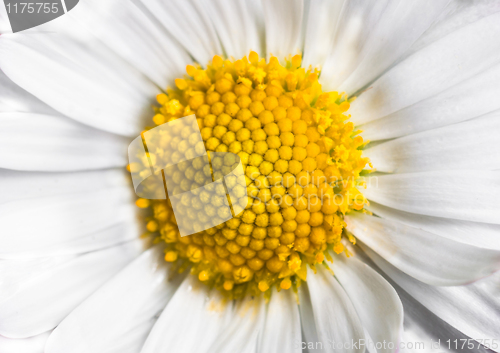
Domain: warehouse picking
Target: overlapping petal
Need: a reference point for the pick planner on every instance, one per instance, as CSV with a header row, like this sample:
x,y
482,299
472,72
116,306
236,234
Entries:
x,y
453,147
58,224
428,257
371,37
472,309
120,314
376,302
431,70
53,144
337,322
189,23
42,302
471,98
483,235
84,81
282,326
283,21
131,33
190,322
35,344
459,194
239,25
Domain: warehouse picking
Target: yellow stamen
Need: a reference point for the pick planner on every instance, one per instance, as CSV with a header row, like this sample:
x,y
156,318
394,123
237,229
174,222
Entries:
x,y
142,203
171,256
203,276
286,283
152,226
263,286
228,285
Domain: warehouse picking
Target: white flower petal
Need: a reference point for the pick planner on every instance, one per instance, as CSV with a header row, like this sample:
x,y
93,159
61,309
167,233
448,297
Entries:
x,y
309,331
70,39
423,329
283,19
132,341
431,333
420,325
483,235
383,32
237,25
472,309
428,257
346,39
27,189
189,24
15,99
335,316
243,330
320,31
191,321
20,185
437,67
467,145
15,273
463,194
33,344
85,82
42,303
256,14
458,14
129,301
467,100
376,302
124,28
282,327
59,224
66,244
52,143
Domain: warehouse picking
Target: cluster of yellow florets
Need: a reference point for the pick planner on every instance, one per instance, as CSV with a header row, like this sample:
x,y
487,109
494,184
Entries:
x,y
302,162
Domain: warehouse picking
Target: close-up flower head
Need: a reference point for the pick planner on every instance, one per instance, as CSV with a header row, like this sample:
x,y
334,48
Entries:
x,y
249,176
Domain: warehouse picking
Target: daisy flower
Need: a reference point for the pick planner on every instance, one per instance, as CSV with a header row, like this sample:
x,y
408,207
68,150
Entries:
x,y
367,216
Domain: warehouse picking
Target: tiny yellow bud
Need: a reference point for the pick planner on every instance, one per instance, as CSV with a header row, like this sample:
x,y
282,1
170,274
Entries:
x,y
171,256
203,276
263,286
286,283
228,285
142,203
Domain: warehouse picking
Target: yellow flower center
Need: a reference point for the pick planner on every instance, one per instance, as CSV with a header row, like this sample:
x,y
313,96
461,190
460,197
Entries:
x,y
302,162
